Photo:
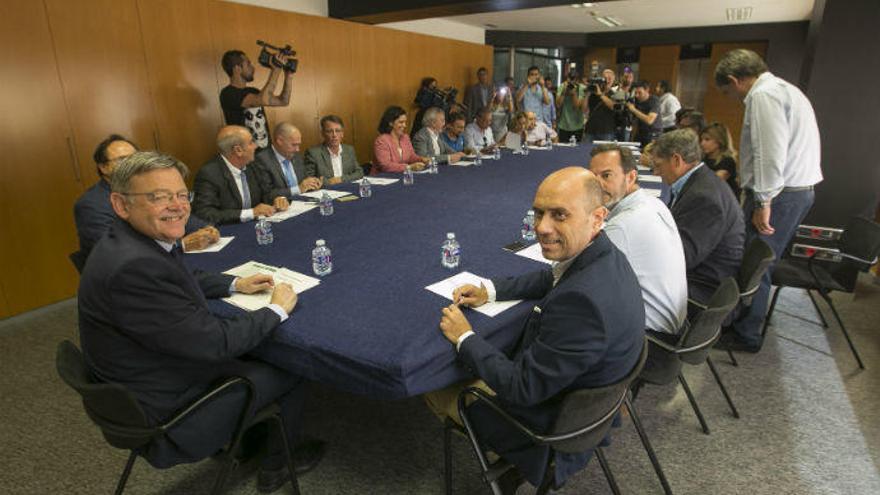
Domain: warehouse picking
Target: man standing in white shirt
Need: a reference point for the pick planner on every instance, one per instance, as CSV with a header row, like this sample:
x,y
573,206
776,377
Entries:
x,y
669,104
779,166
642,227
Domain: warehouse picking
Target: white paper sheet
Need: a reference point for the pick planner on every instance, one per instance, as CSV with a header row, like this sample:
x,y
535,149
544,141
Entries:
x,y
565,145
533,252
649,178
252,302
653,192
320,192
445,287
462,163
539,148
643,168
377,181
296,208
213,248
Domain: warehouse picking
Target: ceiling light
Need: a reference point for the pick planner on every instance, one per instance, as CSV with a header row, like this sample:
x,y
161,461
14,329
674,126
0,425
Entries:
x,y
606,20
739,14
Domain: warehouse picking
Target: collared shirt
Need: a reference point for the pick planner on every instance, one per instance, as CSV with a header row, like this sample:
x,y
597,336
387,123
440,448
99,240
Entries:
x,y
533,101
336,161
248,214
435,141
294,188
457,144
541,132
477,138
679,183
550,109
643,228
779,144
669,104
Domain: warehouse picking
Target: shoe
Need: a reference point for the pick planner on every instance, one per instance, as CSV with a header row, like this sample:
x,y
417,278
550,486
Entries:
x,y
510,481
731,342
306,456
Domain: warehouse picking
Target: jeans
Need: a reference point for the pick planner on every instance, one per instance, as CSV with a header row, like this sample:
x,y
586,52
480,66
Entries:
x,y
787,211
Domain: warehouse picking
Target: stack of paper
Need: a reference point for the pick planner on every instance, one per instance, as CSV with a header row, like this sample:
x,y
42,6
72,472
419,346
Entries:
x,y
567,145
462,163
445,287
253,302
296,208
213,248
317,194
533,252
533,147
377,181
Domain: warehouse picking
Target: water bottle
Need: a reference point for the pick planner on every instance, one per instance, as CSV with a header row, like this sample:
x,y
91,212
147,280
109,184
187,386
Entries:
x,y
528,226
478,160
365,190
549,144
326,205
450,252
572,140
322,262
525,147
497,152
264,231
432,165
407,176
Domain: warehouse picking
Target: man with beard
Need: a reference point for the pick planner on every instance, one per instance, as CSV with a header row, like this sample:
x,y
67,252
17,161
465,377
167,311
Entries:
x,y
243,105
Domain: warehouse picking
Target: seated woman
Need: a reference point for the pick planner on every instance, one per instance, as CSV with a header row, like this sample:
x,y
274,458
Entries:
x,y
392,150
519,128
427,141
719,155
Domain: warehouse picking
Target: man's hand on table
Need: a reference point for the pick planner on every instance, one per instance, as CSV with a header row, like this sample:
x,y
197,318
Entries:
x,y
200,239
281,203
263,210
284,296
470,295
453,323
311,184
334,180
254,283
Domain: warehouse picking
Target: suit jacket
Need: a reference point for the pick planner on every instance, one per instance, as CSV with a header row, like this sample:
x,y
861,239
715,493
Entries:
x,y
423,147
318,163
587,331
273,176
386,158
710,222
217,198
144,323
473,100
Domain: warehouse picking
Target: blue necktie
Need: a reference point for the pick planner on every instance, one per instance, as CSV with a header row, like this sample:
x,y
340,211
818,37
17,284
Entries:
x,y
245,192
289,174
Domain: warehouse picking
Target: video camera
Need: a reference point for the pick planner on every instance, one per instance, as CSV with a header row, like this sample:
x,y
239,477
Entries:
x,y
596,83
267,57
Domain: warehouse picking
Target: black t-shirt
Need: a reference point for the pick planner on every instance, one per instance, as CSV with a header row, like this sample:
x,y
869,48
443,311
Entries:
x,y
727,164
601,119
253,118
649,132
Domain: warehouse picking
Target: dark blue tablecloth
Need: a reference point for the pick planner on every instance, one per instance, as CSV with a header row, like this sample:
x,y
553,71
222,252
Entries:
x,y
370,327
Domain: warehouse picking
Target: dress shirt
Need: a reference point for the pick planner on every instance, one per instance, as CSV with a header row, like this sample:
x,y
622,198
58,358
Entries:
x,y
642,227
457,144
675,187
550,109
435,141
288,172
533,101
246,214
779,146
477,138
336,161
542,132
669,104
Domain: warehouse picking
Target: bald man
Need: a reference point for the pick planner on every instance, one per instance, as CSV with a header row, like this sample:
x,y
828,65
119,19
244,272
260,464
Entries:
x,y
228,189
586,329
282,164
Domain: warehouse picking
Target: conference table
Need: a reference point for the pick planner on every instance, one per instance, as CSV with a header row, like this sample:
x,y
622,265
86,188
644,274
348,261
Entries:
x,y
371,327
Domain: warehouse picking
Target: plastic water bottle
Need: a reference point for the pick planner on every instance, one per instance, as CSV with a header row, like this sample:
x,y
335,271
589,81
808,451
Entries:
x,y
478,160
572,140
450,252
497,152
528,226
366,189
549,143
322,262
264,231
407,176
525,147
432,165
326,205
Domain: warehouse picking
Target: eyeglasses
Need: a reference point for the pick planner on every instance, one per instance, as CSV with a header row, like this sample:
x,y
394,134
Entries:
x,y
164,198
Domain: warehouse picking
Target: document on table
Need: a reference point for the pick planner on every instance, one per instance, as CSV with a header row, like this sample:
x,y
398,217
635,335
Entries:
x,y
253,302
649,178
567,145
320,192
296,208
213,248
533,252
445,287
544,148
377,181
462,163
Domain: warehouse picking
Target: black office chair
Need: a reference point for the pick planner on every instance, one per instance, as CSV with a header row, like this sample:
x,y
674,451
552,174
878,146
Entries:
x,y
691,346
78,259
584,420
827,269
124,425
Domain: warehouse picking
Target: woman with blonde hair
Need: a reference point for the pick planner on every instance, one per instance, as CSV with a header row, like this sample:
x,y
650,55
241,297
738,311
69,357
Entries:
x,y
719,154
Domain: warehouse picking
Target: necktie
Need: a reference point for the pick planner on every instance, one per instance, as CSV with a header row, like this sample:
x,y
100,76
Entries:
x,y
289,174
245,192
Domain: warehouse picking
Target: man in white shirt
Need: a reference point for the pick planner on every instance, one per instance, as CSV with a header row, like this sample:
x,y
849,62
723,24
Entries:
x,y
539,133
779,166
478,134
427,142
642,227
669,104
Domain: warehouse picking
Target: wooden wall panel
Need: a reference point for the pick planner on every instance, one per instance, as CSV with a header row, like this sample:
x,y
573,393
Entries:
x,y
103,72
659,62
39,180
606,56
337,86
716,106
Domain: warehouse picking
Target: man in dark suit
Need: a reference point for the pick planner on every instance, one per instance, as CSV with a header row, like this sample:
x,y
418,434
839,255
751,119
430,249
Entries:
x,y
586,330
707,214
227,190
145,324
332,161
281,164
479,95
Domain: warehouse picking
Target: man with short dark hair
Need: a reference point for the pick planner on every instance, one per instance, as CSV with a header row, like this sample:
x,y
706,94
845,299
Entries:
x,y
478,95
427,142
532,95
708,216
645,110
243,105
570,100
690,118
453,135
780,164
669,105
333,161
282,167
600,121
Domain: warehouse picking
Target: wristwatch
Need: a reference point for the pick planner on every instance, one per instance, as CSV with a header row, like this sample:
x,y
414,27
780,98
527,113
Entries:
x,y
762,204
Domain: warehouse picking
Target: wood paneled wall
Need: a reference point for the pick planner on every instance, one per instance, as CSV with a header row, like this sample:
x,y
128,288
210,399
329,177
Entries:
x,y
606,56
716,106
150,69
659,62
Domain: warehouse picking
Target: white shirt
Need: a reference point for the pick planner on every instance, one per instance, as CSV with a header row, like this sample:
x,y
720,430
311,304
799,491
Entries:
x,y
435,141
779,145
642,227
669,104
336,161
246,215
477,138
542,132
294,189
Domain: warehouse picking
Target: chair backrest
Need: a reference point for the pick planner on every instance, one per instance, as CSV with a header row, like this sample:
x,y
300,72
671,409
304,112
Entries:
x,y
757,258
110,406
591,406
698,337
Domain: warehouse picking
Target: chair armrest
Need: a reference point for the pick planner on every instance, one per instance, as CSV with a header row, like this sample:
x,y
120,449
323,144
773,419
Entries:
x,y
818,232
208,397
694,302
832,255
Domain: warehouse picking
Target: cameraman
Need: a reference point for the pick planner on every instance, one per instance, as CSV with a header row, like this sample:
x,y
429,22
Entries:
x,y
645,109
570,98
243,105
601,122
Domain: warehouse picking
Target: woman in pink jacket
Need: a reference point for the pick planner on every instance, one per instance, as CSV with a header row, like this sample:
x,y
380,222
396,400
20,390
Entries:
x,y
392,150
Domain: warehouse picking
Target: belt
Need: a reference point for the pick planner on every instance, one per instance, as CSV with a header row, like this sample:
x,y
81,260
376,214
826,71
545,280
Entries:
x,y
789,189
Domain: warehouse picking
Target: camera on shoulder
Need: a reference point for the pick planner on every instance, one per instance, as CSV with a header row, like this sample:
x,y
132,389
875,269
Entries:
x,y
267,56
596,84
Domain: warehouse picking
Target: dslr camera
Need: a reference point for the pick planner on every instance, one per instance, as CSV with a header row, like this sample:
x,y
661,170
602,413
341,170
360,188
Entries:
x,y
267,56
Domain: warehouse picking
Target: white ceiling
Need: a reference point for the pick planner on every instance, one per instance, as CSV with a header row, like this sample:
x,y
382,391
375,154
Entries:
x,y
639,14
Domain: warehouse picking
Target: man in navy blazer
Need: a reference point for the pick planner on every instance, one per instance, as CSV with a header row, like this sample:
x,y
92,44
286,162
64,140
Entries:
x,y
145,324
333,161
709,218
227,189
282,164
586,329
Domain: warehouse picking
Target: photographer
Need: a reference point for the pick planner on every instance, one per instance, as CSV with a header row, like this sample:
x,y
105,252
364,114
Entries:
x,y
601,122
430,95
532,96
243,105
645,110
570,99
